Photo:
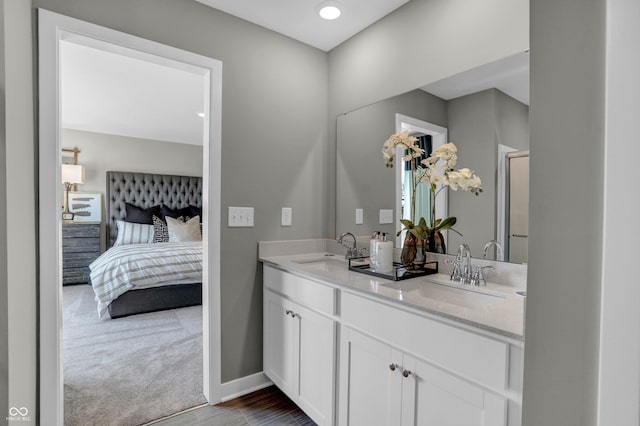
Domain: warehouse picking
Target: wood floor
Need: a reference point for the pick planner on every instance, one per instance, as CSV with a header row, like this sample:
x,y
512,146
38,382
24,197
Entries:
x,y
267,406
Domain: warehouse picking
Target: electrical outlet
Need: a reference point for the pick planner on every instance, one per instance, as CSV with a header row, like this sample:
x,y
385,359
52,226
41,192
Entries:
x,y
287,214
359,216
386,216
241,217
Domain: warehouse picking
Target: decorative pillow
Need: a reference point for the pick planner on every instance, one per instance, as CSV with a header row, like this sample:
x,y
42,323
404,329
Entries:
x,y
133,233
174,213
195,211
184,231
186,218
135,214
160,231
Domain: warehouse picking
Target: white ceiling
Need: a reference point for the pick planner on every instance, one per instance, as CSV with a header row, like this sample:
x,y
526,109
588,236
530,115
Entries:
x,y
510,75
123,94
299,19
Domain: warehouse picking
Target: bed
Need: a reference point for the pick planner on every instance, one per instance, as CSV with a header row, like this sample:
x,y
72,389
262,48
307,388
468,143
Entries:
x,y
157,275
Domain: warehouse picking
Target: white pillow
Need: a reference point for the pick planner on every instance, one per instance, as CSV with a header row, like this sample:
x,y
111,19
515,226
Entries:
x,y
133,233
184,231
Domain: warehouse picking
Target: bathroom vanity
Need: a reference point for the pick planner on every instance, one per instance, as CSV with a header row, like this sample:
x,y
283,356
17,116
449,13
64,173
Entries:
x,y
353,349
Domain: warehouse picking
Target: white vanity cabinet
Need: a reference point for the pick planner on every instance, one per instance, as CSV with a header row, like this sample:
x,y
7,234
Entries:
x,y
401,368
381,385
350,358
300,341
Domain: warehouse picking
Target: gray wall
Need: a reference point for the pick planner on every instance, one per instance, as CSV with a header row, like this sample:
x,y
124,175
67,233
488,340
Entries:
x,y
477,124
512,122
567,112
4,319
20,207
100,153
363,181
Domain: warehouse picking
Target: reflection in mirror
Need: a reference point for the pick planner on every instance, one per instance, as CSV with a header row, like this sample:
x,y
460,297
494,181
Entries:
x,y
481,115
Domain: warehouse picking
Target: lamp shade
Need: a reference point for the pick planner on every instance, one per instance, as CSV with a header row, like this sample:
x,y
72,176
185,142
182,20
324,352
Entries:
x,y
72,173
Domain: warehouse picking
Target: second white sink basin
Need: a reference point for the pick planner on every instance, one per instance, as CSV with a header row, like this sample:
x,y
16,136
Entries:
x,y
455,296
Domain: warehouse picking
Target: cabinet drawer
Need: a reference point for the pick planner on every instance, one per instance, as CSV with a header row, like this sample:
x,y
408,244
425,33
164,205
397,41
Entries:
x,y
76,245
479,358
314,295
79,259
80,230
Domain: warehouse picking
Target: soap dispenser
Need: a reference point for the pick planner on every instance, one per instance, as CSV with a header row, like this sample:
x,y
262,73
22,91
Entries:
x,y
384,254
373,250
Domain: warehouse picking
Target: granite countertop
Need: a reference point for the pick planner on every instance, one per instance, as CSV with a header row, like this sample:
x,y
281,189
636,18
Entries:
x,y
495,308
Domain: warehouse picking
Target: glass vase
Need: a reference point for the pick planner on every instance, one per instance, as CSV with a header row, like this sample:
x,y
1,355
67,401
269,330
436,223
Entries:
x,y
435,242
409,249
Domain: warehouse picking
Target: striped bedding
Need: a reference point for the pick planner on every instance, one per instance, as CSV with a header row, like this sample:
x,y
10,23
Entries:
x,y
135,266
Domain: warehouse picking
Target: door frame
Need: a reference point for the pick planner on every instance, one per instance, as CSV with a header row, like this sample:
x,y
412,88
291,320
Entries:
x,y
52,28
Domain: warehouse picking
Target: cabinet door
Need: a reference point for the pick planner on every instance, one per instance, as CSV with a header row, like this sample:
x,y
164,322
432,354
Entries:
x,y
315,368
434,397
370,382
279,355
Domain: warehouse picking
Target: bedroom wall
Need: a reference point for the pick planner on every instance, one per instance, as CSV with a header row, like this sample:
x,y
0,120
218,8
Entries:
x,y
101,152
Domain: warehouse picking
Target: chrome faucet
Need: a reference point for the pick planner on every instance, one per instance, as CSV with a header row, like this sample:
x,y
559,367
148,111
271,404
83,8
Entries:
x,y
499,250
478,279
351,251
466,265
462,265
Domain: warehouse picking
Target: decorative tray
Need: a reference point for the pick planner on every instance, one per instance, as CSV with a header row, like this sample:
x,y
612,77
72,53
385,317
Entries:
x,y
399,272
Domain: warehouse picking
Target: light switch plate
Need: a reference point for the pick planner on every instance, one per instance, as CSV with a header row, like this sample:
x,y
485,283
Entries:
x,y
359,216
386,216
240,217
287,216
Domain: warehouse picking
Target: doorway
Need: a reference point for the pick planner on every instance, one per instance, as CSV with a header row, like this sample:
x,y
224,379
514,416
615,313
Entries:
x,y
438,136
53,29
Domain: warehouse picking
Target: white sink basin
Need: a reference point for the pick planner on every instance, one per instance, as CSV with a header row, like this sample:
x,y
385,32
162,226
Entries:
x,y
455,296
326,264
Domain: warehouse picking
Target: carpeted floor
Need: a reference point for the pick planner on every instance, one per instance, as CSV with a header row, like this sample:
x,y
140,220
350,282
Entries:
x,y
132,370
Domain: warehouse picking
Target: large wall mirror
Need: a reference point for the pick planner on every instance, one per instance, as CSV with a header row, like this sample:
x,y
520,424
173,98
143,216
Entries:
x,y
485,112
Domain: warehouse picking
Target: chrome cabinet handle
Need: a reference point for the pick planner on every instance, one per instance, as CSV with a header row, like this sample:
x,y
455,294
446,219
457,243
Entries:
x,y
406,373
393,366
288,312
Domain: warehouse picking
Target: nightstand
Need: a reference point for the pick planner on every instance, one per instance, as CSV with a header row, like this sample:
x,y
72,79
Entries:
x,y
80,247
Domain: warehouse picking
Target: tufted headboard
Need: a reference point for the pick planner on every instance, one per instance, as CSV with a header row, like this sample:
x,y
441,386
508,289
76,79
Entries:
x,y
146,190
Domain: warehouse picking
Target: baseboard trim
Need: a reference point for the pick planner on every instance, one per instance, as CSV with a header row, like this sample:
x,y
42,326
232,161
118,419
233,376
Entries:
x,y
244,385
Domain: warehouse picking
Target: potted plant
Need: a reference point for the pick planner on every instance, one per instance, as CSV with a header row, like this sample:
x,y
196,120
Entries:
x,y
438,172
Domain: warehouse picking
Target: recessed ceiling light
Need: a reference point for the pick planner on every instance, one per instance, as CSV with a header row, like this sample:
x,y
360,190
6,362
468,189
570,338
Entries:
x,y
329,10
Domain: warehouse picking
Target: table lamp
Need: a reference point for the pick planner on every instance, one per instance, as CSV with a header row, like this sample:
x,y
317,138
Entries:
x,y
71,174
